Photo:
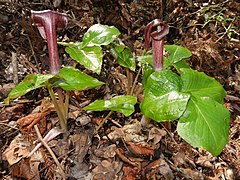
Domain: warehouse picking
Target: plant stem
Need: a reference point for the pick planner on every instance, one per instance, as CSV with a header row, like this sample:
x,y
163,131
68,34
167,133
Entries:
x,y
135,82
60,114
66,103
145,120
129,81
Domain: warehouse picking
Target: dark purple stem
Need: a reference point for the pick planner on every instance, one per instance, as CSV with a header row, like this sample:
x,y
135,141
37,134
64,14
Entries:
x,y
158,38
48,22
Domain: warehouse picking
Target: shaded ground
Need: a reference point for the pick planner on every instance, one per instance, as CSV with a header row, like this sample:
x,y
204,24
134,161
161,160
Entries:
x,y
122,149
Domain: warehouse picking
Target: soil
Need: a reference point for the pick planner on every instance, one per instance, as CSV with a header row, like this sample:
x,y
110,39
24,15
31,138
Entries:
x,y
122,148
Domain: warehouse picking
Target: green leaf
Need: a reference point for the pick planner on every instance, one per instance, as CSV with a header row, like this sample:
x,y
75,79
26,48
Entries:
x,y
89,57
145,62
177,53
145,59
71,44
122,104
123,56
73,79
163,100
98,35
181,64
30,82
167,107
201,85
205,124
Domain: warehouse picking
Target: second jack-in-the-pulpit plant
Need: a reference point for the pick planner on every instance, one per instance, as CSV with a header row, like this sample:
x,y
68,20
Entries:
x,y
188,95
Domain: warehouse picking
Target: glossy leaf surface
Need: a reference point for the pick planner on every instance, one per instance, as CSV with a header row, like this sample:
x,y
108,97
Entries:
x,y
176,54
74,79
123,56
89,57
30,82
163,99
122,104
201,85
205,124
98,35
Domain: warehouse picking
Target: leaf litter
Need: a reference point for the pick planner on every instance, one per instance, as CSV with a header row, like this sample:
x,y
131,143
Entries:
x,y
128,151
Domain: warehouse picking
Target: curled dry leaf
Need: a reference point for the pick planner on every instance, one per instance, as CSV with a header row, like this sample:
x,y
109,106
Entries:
x,y
141,150
130,133
156,134
27,122
18,149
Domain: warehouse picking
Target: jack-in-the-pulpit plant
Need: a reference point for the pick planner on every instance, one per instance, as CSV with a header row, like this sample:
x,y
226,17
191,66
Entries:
x,y
88,53
191,97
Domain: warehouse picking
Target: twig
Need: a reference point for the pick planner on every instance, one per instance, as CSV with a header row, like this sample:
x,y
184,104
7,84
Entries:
x,y
225,31
15,68
50,151
103,121
135,81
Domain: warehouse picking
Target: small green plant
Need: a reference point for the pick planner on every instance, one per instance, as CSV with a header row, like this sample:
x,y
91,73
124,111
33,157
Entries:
x,y
217,17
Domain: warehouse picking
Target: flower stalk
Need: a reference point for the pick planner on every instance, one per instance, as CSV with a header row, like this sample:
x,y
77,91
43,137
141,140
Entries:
x,y
157,38
48,22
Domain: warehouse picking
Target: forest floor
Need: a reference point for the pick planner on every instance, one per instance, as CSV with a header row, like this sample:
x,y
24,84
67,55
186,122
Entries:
x,y
122,148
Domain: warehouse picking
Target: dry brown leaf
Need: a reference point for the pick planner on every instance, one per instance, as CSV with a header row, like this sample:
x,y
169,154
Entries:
x,y
130,133
204,161
17,150
26,170
106,152
107,170
193,174
130,173
137,149
156,134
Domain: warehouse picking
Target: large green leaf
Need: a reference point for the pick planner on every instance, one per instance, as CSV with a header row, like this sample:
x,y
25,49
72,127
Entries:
x,y
30,82
89,57
73,79
123,56
167,107
201,85
98,35
122,104
177,53
181,64
163,100
205,124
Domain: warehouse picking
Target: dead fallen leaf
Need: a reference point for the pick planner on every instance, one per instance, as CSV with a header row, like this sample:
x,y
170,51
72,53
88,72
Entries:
x,y
192,174
106,152
26,169
130,173
107,170
204,161
156,134
125,159
17,150
130,133
137,149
